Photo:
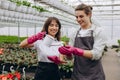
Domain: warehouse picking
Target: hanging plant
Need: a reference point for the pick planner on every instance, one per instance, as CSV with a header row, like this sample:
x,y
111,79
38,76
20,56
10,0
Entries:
x,y
39,8
28,4
25,3
18,3
13,0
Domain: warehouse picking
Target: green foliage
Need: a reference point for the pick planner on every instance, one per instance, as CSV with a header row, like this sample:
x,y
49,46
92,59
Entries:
x,y
10,39
67,67
119,43
21,56
26,3
117,47
39,8
13,0
18,2
65,39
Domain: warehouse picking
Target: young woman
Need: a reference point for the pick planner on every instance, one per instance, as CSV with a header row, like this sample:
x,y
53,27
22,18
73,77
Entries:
x,y
47,43
89,43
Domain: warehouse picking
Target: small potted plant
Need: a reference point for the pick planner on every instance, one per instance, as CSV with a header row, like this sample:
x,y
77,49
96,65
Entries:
x,y
65,40
66,69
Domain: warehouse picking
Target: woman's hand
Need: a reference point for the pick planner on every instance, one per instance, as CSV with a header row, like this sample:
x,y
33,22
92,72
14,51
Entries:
x,y
36,37
56,60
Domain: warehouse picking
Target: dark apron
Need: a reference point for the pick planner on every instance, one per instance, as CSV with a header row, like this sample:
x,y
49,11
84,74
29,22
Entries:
x,y
84,68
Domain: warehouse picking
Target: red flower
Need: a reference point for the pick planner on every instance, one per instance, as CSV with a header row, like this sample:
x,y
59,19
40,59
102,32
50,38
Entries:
x,y
17,74
4,78
10,76
1,76
1,50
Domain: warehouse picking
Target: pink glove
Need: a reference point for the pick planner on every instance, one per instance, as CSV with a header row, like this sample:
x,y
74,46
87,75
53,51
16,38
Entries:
x,y
55,59
36,37
68,50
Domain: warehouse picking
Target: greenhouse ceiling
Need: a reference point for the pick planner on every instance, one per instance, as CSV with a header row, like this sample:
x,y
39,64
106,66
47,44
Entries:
x,y
105,10
102,9
18,11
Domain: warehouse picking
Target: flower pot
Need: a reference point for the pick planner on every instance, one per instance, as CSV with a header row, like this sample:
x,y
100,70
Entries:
x,y
33,11
24,9
1,12
6,13
5,4
18,9
12,6
29,11
16,15
11,14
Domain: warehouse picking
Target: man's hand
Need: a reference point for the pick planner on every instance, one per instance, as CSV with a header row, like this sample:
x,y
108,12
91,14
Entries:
x,y
69,50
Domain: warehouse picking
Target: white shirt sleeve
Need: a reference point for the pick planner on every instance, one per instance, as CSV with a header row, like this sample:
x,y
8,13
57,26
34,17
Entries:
x,y
99,43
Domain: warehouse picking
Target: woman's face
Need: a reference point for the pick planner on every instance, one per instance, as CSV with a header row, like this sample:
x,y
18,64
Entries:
x,y
53,28
82,18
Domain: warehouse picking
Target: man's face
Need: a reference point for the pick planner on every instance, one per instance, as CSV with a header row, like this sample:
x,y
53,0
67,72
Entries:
x,y
82,18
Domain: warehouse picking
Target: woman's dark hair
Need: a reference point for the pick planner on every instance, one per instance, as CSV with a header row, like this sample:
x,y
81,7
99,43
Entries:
x,y
86,8
47,23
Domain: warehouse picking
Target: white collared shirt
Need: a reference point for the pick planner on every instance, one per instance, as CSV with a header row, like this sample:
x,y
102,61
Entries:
x,y
44,51
99,40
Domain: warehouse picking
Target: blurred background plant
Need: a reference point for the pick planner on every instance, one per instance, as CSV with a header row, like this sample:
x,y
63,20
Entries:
x,y
118,48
